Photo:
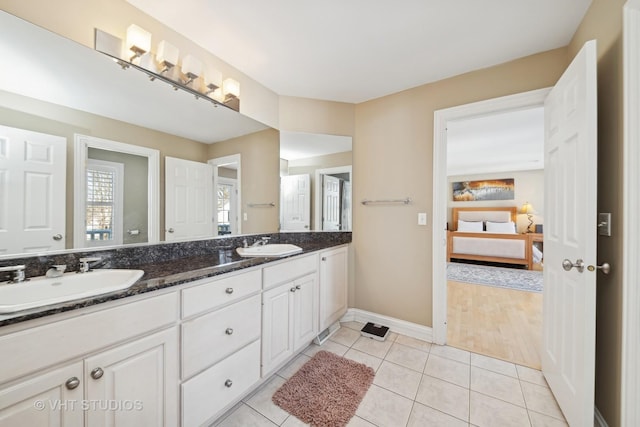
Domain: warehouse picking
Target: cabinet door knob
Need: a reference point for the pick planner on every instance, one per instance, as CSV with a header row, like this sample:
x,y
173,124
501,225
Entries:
x,y
228,383
57,237
324,258
97,373
298,287
72,383
293,289
229,290
229,331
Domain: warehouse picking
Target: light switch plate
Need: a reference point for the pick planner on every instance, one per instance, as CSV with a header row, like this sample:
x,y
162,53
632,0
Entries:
x,y
422,218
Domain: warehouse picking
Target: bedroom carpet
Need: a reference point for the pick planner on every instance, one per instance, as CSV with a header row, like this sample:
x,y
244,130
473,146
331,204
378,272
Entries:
x,y
510,278
326,391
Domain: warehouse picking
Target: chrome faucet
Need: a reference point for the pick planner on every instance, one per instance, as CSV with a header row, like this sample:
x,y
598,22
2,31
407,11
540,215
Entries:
x,y
263,241
17,273
56,270
84,264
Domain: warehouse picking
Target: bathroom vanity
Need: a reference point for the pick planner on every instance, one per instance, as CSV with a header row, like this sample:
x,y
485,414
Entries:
x,y
179,347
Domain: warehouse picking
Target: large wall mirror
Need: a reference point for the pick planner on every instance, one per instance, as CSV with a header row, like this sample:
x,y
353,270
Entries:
x,y
316,182
57,91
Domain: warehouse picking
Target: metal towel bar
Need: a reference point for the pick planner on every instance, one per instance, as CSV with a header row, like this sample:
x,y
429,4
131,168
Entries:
x,y
261,205
405,201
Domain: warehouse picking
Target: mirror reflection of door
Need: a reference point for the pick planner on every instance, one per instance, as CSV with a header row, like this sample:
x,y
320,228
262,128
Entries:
x,y
295,204
226,205
32,191
331,206
227,184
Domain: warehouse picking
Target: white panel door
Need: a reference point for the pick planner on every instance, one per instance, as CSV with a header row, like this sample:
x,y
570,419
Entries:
x,y
331,203
296,202
333,286
32,191
305,306
569,308
52,399
189,199
277,326
142,376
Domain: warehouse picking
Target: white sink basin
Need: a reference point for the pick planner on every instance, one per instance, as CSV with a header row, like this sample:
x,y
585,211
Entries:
x,y
41,291
270,250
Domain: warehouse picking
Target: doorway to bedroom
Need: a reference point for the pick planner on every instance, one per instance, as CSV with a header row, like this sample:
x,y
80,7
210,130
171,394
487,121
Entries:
x,y
495,206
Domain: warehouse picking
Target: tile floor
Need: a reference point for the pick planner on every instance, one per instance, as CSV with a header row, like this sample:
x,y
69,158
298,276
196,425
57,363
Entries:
x,y
418,384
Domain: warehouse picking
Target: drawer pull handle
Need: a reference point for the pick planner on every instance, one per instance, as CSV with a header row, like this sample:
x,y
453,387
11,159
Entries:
x,y
97,373
72,383
298,287
293,289
229,291
229,331
228,383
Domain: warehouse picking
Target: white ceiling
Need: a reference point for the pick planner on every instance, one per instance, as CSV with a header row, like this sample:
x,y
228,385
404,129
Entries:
x,y
511,141
357,50
298,145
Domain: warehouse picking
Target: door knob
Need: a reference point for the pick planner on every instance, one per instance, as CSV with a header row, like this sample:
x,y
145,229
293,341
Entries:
x,y
57,237
228,331
578,265
605,268
170,230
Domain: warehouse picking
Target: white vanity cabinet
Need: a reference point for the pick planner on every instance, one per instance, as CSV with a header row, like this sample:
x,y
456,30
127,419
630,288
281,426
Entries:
x,y
220,343
118,357
289,309
333,285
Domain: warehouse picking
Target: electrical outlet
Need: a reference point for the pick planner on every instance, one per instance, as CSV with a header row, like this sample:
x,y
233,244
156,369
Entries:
x,y
245,216
422,218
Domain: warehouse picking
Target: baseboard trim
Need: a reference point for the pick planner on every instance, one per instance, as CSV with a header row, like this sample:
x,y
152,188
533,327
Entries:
x,y
403,327
598,419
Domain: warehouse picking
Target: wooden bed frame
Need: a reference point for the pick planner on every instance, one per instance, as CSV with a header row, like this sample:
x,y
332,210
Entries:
x,y
527,261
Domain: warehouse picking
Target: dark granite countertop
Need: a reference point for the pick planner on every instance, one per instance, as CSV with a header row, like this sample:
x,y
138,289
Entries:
x,y
166,273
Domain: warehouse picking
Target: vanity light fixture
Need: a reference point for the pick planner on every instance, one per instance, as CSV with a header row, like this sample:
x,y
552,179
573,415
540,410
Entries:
x,y
191,68
159,66
138,41
213,81
230,89
167,56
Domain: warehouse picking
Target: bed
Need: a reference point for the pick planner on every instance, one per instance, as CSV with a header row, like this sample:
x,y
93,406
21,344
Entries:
x,y
489,234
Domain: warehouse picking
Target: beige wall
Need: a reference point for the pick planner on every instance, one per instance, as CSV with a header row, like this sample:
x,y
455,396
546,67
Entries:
x,y
260,159
392,158
77,19
315,116
529,187
603,22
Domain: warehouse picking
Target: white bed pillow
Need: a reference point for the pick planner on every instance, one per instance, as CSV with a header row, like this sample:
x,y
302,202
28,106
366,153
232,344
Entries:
x,y
501,227
470,226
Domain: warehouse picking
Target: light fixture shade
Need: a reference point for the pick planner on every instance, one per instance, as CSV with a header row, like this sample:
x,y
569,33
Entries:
x,y
167,54
138,40
217,95
191,66
231,88
213,79
527,208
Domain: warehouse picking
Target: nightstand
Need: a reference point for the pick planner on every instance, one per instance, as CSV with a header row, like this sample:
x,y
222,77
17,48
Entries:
x,y
536,240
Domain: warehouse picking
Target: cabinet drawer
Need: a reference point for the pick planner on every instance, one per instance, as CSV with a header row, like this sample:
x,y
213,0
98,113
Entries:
x,y
289,270
205,395
33,349
212,337
215,293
